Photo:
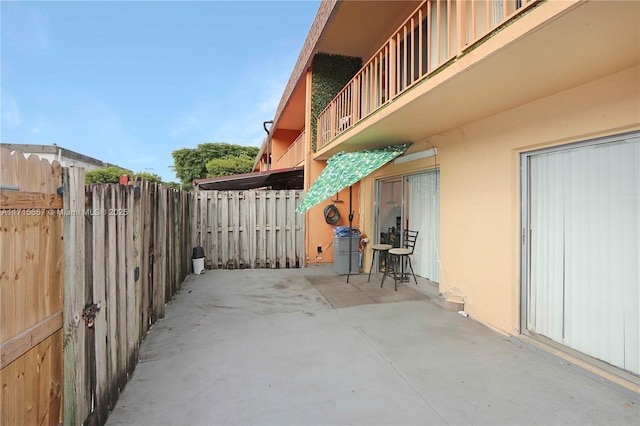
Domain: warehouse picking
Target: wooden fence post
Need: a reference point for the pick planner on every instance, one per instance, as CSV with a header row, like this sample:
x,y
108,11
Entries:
x,y
76,398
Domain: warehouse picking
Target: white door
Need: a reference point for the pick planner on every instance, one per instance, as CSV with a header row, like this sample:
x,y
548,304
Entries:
x,y
581,213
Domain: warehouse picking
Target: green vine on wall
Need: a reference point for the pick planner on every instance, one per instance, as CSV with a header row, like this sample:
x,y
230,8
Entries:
x,y
330,74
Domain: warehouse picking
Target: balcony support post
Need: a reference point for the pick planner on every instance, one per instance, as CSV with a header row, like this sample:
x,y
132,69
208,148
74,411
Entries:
x,y
392,68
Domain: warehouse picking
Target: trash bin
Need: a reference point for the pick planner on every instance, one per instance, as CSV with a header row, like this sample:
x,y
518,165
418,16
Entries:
x,y
198,260
341,255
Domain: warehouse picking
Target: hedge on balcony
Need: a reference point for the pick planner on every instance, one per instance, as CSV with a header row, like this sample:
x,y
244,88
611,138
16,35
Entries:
x,y
331,73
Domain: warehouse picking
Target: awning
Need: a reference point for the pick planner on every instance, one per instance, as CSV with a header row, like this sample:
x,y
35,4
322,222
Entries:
x,y
346,168
291,178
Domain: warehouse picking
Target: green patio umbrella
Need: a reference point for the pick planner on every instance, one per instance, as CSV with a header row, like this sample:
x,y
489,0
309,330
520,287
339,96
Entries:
x,y
344,169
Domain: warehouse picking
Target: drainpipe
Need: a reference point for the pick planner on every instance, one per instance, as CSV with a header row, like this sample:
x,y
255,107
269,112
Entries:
x,y
264,126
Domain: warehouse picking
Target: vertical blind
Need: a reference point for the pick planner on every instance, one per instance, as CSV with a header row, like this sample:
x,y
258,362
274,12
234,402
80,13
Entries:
x,y
584,227
424,216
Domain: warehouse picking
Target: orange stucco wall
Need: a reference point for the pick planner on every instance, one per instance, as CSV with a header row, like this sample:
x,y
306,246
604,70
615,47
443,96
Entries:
x,y
280,141
480,186
320,233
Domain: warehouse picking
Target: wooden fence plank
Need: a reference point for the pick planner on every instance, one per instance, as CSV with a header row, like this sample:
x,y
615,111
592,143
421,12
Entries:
x,y
51,265
223,227
234,228
281,232
131,259
31,269
121,284
171,242
111,286
262,224
8,230
207,227
147,266
271,229
182,213
155,274
32,176
290,216
30,396
100,328
167,217
135,213
20,172
250,227
13,385
47,356
54,383
169,246
159,258
6,175
196,239
76,398
19,285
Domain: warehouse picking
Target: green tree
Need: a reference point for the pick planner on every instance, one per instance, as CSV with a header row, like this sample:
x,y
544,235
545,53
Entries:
x,y
112,175
151,177
106,175
182,186
191,163
229,166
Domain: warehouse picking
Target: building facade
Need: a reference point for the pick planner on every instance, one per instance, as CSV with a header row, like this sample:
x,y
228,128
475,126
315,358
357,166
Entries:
x,y
522,177
65,157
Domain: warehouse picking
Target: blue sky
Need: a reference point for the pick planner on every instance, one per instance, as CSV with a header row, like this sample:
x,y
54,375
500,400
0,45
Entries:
x,y
129,82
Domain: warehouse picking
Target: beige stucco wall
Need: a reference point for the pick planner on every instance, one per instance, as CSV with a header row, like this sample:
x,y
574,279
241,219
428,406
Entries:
x,y
480,186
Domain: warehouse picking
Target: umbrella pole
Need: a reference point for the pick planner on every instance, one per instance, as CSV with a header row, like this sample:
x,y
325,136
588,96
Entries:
x,y
350,228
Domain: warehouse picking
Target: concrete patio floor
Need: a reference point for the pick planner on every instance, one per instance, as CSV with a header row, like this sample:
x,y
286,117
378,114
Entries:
x,y
264,347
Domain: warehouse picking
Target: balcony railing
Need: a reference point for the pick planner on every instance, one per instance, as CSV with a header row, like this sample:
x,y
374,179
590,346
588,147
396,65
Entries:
x,y
293,155
436,32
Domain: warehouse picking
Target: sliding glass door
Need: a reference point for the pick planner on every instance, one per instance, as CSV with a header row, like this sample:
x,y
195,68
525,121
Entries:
x,y
411,202
581,222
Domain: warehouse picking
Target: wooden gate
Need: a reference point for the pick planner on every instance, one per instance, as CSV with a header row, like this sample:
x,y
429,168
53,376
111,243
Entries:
x,y
249,229
135,257
31,285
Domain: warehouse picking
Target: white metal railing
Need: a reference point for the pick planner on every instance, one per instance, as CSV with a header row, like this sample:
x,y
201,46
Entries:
x,y
293,155
436,32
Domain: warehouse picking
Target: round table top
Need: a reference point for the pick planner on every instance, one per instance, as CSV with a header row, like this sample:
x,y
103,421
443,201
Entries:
x,y
400,251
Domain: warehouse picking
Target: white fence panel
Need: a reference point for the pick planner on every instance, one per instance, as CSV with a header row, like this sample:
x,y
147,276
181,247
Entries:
x,y
249,229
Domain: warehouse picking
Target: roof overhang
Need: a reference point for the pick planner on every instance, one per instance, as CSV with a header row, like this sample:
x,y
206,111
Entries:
x,y
290,178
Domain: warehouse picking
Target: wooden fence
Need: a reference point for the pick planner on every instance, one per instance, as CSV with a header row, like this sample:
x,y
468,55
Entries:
x,y
31,287
135,259
82,279
84,275
249,229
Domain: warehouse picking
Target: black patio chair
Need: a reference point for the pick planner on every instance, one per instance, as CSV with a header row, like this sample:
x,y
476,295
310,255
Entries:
x,y
399,257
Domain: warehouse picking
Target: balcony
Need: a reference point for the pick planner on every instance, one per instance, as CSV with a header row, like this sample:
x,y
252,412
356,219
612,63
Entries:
x,y
294,155
431,37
